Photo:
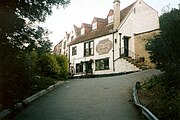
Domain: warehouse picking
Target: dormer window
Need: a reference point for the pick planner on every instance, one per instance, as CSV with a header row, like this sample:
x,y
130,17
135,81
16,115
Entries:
x,y
94,26
72,37
82,31
110,19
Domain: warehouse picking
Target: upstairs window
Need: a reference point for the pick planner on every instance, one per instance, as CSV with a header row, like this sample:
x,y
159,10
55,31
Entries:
x,y
82,31
72,37
64,45
89,48
134,10
74,50
94,26
110,19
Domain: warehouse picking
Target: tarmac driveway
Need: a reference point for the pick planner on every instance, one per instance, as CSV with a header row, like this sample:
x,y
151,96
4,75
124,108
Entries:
x,y
106,98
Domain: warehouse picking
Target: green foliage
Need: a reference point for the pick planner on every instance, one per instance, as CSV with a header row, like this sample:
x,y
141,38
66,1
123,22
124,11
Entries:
x,y
19,37
48,66
63,63
40,83
162,100
163,91
164,48
55,66
15,76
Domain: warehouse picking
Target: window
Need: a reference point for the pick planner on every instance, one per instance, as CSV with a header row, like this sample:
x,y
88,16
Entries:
x,y
64,45
60,51
102,64
110,19
79,68
88,48
134,10
72,37
94,26
74,50
91,47
82,31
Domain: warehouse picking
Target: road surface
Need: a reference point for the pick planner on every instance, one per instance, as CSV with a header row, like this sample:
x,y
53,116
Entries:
x,y
106,98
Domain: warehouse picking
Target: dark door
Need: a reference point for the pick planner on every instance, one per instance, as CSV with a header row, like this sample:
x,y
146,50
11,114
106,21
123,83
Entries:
x,y
126,46
88,65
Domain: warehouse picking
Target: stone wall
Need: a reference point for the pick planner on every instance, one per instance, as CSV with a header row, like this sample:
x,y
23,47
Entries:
x,y
140,42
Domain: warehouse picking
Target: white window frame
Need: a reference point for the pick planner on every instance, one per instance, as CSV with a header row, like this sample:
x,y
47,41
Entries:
x,y
94,26
82,31
110,19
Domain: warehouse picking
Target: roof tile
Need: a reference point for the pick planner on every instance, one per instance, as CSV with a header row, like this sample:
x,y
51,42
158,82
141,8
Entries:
x,y
103,29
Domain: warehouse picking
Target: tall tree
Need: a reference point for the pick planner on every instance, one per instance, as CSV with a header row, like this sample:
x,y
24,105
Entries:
x,y
164,48
19,35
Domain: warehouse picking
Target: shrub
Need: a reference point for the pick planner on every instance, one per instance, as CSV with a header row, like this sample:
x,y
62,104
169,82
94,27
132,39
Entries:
x,y
63,63
47,66
164,48
40,83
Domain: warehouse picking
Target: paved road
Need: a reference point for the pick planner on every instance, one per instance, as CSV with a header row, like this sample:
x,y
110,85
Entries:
x,y
105,98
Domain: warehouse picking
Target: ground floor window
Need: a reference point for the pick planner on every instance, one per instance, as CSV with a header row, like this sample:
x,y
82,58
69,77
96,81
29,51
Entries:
x,y
79,68
102,64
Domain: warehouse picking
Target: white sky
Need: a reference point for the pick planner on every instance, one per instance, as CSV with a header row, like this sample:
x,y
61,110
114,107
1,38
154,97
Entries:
x,y
83,11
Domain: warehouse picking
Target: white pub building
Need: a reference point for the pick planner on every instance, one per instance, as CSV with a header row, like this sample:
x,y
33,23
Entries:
x,y
101,46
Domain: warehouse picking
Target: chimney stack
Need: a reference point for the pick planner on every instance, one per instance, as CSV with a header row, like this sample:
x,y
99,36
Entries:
x,y
116,14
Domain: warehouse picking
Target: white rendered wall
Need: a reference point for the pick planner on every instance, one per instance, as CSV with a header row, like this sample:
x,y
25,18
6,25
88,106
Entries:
x,y
142,18
80,55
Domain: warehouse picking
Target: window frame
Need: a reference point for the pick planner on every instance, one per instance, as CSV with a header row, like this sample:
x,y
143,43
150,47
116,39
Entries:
x,y
89,48
94,26
103,64
110,19
82,31
74,50
72,37
64,45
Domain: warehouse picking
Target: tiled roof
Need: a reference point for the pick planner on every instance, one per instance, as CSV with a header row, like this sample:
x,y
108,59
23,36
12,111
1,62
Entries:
x,y
77,30
86,25
57,47
102,20
111,12
104,29
125,11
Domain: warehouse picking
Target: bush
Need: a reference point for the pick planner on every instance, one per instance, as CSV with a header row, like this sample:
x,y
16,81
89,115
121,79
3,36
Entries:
x,y
47,66
162,100
14,78
63,63
40,83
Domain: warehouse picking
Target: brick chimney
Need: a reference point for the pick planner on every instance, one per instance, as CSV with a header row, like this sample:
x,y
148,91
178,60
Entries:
x,y
116,14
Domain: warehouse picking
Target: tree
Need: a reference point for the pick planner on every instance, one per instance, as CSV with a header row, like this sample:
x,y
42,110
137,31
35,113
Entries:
x,y
63,63
164,48
47,66
19,35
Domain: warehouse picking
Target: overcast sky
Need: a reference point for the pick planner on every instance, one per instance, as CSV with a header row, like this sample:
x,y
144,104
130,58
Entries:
x,y
83,11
